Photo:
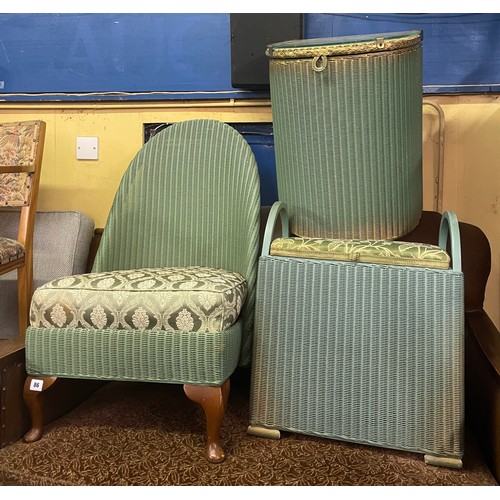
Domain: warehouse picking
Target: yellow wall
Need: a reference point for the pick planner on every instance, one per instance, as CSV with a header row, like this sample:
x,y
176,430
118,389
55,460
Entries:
x,y
465,126
89,185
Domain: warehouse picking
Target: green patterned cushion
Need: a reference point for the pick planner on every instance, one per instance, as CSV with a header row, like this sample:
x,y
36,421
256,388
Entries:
x,y
187,299
10,250
369,251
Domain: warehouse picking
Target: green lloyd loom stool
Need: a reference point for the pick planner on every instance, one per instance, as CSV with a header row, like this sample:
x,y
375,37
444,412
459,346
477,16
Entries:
x,y
357,337
362,341
171,295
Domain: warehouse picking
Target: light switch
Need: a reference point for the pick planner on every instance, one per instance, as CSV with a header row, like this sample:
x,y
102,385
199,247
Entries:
x,y
87,148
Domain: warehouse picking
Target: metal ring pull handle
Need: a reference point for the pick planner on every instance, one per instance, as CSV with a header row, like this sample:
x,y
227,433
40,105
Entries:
x,y
319,63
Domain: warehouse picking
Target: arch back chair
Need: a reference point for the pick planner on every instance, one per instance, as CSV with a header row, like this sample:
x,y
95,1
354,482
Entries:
x,y
171,294
21,152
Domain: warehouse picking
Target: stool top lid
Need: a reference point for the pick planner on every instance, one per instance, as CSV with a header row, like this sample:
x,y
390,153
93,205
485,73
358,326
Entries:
x,y
344,45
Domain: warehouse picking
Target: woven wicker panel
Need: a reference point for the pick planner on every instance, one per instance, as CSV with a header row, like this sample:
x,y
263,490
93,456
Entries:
x,y
190,197
348,143
149,356
365,353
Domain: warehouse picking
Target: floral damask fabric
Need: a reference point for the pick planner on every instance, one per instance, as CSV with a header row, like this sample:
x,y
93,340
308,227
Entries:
x,y
187,299
17,148
368,251
18,143
15,189
10,250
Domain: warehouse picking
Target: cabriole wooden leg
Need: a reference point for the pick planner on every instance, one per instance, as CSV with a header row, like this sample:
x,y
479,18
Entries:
x,y
213,400
33,393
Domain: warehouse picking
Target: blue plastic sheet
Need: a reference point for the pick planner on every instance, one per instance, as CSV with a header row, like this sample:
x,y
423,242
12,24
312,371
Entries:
x,y
172,56
461,51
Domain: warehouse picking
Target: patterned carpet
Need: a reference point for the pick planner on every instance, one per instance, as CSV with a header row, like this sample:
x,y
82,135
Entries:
x,y
151,434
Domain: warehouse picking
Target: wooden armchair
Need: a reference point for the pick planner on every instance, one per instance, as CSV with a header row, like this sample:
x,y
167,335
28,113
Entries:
x,y
21,150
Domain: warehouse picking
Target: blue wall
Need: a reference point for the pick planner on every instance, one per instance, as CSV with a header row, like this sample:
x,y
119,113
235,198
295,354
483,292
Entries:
x,y
189,55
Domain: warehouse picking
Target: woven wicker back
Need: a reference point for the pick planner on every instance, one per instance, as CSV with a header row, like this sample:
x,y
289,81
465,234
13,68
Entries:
x,y
191,196
348,139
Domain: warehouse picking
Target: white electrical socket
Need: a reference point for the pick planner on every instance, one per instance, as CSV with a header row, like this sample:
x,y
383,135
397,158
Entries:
x,y
87,148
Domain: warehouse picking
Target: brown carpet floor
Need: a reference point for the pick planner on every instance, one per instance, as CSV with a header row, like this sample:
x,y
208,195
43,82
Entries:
x,y
151,434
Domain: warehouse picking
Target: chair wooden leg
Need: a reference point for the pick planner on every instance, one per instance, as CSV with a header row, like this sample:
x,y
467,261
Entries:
x,y
213,400
34,389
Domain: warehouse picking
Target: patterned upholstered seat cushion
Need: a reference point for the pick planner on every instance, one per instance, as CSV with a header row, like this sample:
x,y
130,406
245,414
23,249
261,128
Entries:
x,y
368,251
10,250
188,299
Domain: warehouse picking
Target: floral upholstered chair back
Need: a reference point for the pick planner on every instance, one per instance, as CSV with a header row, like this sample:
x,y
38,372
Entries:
x,y
18,155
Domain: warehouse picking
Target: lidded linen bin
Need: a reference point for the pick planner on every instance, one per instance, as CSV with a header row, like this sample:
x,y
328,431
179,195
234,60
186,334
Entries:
x,y
347,118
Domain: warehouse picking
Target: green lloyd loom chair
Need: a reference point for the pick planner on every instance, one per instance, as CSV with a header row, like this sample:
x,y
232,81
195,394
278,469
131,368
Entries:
x,y
171,295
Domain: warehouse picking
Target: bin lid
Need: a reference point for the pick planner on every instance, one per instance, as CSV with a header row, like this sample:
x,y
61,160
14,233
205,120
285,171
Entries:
x,y
344,45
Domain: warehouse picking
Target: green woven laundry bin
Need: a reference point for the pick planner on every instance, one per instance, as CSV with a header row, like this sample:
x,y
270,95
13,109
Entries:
x,y
347,118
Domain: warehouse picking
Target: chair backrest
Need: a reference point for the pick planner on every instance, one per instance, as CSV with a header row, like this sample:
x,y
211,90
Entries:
x,y
21,151
191,196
